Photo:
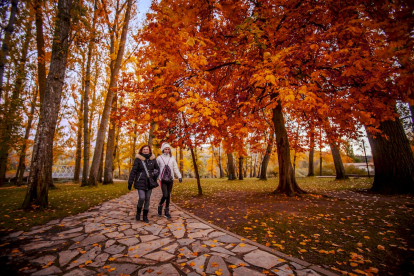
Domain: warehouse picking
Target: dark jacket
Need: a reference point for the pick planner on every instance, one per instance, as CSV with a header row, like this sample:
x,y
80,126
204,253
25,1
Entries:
x,y
138,176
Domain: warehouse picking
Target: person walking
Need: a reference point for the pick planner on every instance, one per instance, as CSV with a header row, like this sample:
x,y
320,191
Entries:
x,y
168,167
138,177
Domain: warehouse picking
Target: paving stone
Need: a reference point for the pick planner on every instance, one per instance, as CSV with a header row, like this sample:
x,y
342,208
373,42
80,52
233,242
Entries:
x,y
166,269
37,245
216,234
129,241
306,272
66,236
66,256
88,256
222,250
297,266
154,229
51,270
215,263
193,274
90,240
123,269
109,243
283,270
16,234
112,235
147,238
196,247
200,234
140,261
55,221
37,230
44,260
178,234
145,248
160,256
243,248
171,248
198,225
80,272
100,260
90,227
236,261
261,258
220,254
129,232
80,238
243,271
199,263
185,241
227,239
115,249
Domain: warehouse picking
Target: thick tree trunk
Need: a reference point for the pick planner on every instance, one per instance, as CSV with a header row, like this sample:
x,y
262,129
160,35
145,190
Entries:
x,y
287,180
311,170
251,166
181,162
40,46
241,168
108,102
230,167
110,146
220,164
5,46
339,166
255,165
246,168
42,157
393,160
22,165
151,136
78,156
200,191
266,158
259,167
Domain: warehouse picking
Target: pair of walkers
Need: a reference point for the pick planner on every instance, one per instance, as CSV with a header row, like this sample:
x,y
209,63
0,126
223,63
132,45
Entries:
x,y
161,169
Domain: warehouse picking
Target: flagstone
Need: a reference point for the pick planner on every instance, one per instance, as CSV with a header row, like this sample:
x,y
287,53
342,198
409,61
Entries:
x,y
66,256
51,270
200,234
166,269
37,245
90,240
227,239
222,250
215,263
100,260
243,248
216,234
37,231
155,229
88,256
80,272
115,249
198,225
80,238
129,232
306,272
16,234
145,248
123,269
261,258
236,261
185,241
129,241
242,271
196,247
147,238
178,234
171,248
44,260
140,261
109,243
199,263
89,227
160,256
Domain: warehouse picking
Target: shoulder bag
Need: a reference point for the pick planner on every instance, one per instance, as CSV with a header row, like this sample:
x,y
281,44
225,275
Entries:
x,y
152,183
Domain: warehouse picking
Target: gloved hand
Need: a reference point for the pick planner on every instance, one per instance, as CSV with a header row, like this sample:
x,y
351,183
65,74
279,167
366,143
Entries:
x,y
129,187
180,180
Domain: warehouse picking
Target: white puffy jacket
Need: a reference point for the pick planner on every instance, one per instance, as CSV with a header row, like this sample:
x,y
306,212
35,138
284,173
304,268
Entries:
x,y
166,159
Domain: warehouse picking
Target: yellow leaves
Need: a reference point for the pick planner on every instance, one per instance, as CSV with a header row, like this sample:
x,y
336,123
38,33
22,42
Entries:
x,y
214,264
353,264
147,117
190,41
88,262
183,264
380,247
242,245
217,272
191,264
232,266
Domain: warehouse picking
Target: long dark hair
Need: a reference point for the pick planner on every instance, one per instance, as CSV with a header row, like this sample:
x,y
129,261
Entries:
x,y
150,151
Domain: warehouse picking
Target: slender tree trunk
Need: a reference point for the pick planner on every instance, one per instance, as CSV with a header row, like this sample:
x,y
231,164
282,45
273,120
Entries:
x,y
42,157
311,170
255,165
230,167
40,45
339,166
259,166
241,168
266,158
108,102
251,166
78,156
100,171
181,162
151,136
393,160
110,146
200,191
287,180
220,164
5,46
412,114
246,168
22,165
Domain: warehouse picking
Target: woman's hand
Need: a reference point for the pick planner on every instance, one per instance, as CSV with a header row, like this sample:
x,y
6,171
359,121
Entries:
x,y
159,182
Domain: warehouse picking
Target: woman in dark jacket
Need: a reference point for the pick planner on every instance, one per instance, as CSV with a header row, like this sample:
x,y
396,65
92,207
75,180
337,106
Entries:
x,y
138,177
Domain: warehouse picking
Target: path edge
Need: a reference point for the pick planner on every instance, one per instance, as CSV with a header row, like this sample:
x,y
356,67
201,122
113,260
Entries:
x,y
261,246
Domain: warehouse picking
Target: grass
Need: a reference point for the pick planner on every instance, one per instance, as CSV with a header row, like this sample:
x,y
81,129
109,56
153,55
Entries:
x,y
68,199
338,225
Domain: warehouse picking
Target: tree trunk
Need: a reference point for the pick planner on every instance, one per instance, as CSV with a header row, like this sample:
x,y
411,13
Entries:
x,y
108,102
78,156
339,166
220,164
259,167
22,165
200,191
40,46
86,102
42,157
393,160
311,170
10,119
287,180
5,46
151,134
230,167
241,168
100,171
266,158
255,165
110,146
245,169
181,162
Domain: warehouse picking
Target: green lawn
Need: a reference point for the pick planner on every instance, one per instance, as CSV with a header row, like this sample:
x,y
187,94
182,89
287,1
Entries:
x,y
68,199
338,225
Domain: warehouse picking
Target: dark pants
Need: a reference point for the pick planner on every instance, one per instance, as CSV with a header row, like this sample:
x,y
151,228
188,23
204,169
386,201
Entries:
x,y
144,196
166,187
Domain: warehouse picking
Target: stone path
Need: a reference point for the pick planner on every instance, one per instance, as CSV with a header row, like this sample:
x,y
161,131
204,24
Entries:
x,y
107,240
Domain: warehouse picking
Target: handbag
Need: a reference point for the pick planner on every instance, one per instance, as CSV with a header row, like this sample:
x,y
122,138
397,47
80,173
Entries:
x,y
152,183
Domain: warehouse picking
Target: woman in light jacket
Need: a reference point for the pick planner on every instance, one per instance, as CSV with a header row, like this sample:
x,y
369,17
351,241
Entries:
x,y
168,167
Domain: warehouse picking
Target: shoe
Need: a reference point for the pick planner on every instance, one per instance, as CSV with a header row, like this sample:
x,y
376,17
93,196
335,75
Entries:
x,y
167,213
159,211
145,216
137,217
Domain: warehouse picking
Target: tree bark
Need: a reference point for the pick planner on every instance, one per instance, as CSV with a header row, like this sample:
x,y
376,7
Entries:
x,y
266,158
100,171
339,166
42,157
40,45
78,156
219,163
5,46
230,167
181,162
393,160
241,168
151,134
259,167
255,165
287,180
311,170
110,146
200,191
108,102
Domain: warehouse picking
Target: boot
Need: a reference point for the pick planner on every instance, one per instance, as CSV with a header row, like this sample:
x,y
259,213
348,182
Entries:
x,y
167,213
159,211
145,216
137,217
